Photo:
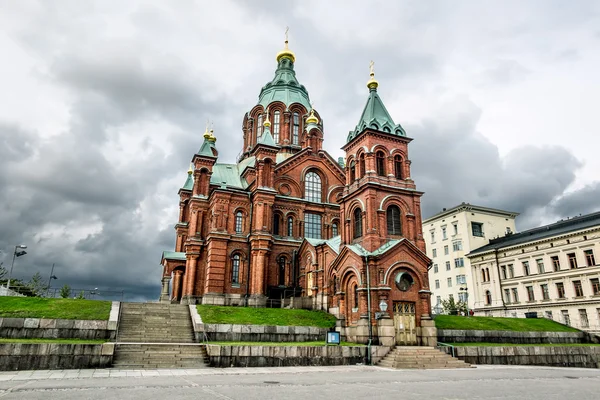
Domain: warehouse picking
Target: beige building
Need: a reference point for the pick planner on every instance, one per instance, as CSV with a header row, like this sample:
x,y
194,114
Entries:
x,y
552,270
453,233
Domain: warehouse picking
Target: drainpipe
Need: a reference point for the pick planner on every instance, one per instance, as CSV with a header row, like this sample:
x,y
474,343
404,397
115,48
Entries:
x,y
499,278
249,252
370,360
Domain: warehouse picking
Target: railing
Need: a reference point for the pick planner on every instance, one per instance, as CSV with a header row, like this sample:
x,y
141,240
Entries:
x,y
118,321
441,344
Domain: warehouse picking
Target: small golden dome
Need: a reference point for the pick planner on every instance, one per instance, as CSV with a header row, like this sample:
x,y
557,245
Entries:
x,y
211,136
267,122
191,170
372,82
207,133
286,52
312,118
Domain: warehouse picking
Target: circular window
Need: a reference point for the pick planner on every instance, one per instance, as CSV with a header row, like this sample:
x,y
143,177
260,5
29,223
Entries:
x,y
404,281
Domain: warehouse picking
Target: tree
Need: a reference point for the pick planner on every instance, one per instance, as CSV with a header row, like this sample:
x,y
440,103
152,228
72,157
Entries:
x,y
81,295
453,308
65,292
36,284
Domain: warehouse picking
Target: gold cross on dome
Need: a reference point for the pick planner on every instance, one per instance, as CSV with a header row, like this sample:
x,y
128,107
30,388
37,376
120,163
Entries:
x,y
372,67
287,29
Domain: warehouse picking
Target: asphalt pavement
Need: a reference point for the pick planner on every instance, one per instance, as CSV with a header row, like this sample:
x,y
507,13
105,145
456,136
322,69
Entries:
x,y
312,383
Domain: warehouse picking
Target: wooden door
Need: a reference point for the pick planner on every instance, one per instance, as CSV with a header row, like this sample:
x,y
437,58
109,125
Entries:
x,y
405,323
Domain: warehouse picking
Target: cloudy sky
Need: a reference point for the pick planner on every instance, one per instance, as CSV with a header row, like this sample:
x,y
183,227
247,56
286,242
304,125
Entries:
x,y
103,103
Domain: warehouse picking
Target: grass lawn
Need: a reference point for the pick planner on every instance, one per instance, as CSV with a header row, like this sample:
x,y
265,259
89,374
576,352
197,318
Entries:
x,y
321,343
525,344
59,341
264,316
36,307
500,324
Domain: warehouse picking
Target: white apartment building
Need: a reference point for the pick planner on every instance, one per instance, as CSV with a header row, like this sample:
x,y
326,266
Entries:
x,y
553,270
453,233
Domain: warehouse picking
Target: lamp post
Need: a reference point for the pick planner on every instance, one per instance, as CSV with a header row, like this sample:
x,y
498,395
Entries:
x,y
465,290
16,253
383,306
52,276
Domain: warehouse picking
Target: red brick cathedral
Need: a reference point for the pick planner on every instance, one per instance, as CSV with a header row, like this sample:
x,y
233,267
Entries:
x,y
287,225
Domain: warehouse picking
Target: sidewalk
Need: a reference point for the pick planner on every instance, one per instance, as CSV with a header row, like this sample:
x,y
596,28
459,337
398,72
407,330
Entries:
x,y
114,373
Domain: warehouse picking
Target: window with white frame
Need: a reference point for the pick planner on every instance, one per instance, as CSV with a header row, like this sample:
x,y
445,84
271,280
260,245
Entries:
x,y
312,187
459,262
437,283
295,128
435,268
434,253
448,268
444,234
276,124
477,229
457,245
449,281
446,252
312,225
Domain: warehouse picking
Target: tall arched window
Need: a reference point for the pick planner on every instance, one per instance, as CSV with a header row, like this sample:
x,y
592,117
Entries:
x,y
312,187
290,226
380,157
295,128
488,298
235,269
259,126
276,224
398,166
361,165
276,116
393,220
334,285
487,274
357,223
352,171
355,296
483,275
282,271
334,229
239,222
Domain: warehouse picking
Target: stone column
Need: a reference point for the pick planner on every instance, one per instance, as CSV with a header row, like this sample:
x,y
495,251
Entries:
x,y
176,294
386,331
164,294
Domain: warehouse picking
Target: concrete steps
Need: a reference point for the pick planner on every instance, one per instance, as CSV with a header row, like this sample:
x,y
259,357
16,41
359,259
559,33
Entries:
x,y
141,356
153,335
420,357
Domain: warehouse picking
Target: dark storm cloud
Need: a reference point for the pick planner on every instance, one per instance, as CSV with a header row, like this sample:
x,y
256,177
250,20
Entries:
x,y
582,201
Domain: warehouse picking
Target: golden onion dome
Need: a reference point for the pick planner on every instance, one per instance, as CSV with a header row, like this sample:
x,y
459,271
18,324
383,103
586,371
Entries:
x,y
191,170
312,118
211,136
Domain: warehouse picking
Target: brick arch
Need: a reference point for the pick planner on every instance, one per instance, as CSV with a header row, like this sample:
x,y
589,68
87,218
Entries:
x,y
380,147
354,204
333,191
402,265
295,189
361,149
299,108
393,199
347,274
397,151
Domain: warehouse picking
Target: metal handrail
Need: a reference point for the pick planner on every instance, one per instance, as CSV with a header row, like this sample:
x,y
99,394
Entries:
x,y
442,344
118,321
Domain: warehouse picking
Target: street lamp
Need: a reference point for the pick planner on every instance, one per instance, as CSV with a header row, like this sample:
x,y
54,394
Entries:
x,y
383,306
465,290
16,253
52,276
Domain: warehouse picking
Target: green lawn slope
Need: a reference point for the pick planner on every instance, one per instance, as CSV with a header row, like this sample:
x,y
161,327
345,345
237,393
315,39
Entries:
x,y
36,307
264,316
500,324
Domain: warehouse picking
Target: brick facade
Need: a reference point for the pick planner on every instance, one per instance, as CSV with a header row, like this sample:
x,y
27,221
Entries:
x,y
249,232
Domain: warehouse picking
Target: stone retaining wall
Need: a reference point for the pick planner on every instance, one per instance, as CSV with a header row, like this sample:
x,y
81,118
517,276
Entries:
x,y
283,356
21,356
555,356
27,328
474,336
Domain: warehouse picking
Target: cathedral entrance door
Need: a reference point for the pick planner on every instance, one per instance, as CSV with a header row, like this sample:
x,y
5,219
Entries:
x,y
405,323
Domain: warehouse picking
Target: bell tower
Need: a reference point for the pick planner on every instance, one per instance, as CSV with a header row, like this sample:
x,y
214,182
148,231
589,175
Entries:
x,y
380,202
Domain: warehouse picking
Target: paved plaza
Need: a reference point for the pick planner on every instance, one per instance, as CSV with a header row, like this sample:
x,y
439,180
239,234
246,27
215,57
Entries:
x,y
348,382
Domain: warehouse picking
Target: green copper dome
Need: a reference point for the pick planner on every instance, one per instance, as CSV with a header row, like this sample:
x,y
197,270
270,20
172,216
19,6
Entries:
x,y
284,87
376,116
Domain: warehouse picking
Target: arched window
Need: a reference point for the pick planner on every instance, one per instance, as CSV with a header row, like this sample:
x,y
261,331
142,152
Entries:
x,y
334,285
239,222
276,126
357,223
259,126
488,298
275,224
312,187
282,271
295,128
393,220
355,296
235,269
334,229
290,226
483,275
352,171
487,274
380,157
398,166
361,165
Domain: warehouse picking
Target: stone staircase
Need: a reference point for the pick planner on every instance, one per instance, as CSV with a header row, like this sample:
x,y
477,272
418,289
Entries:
x,y
157,335
420,357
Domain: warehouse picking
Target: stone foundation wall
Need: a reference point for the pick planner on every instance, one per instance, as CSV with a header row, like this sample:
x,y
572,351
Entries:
x,y
20,356
473,336
282,356
26,328
259,333
555,356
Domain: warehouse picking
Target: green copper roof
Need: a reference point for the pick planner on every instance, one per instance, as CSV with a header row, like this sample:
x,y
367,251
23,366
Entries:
x,y
284,87
266,138
376,116
173,255
227,174
207,149
189,182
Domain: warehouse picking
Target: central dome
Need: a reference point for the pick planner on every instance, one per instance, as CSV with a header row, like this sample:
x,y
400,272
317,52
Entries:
x,y
284,87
